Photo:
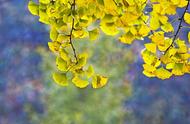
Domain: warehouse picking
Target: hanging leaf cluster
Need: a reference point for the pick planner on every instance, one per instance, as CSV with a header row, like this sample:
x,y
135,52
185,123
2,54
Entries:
x,y
164,55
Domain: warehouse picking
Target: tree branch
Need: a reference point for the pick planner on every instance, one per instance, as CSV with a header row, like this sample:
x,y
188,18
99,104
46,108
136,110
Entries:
x,y
71,32
179,27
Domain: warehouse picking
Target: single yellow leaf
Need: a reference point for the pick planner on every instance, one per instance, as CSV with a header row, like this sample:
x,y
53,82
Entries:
x,y
170,65
44,1
144,30
60,78
178,69
64,54
93,35
53,34
90,71
99,81
33,8
151,47
80,82
61,64
127,38
187,18
148,74
167,27
54,46
82,59
109,28
43,17
154,22
163,19
163,73
149,68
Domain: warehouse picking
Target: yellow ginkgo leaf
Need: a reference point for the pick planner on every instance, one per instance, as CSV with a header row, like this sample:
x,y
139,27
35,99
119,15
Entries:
x,y
61,64
99,81
82,59
44,1
170,65
63,1
189,37
163,73
133,30
109,28
187,18
64,54
93,35
54,46
62,38
144,30
33,8
85,21
178,69
80,33
154,22
127,38
148,74
165,59
163,19
167,27
182,3
60,78
158,38
43,17
80,82
149,68
151,47
53,34
90,71
150,58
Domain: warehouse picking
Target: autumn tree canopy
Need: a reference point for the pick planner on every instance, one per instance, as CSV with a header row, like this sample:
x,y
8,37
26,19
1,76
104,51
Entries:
x,y
165,53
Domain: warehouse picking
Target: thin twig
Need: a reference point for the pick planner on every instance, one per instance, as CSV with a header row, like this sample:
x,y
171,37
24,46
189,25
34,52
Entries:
x,y
71,32
179,27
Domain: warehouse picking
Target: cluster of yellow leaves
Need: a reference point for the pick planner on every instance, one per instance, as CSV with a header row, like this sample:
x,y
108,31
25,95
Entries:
x,y
163,65
67,23
166,56
161,9
162,60
72,19
126,16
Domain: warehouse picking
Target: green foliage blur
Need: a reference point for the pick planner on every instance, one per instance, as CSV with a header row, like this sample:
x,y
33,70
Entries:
x,y
71,105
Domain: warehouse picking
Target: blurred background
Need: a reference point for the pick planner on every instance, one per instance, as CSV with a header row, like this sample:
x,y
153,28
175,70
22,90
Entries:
x,y
29,96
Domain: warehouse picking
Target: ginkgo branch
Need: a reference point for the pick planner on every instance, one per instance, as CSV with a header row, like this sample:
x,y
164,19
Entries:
x,y
179,27
71,32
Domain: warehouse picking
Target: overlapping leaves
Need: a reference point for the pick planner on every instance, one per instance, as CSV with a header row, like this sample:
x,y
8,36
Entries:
x,y
129,19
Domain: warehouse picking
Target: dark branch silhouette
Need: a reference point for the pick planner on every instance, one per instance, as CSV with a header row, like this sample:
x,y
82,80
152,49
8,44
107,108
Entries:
x,y
71,32
179,27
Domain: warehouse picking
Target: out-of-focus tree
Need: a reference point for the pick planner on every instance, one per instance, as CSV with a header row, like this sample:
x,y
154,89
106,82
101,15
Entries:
x,y
72,105
20,77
